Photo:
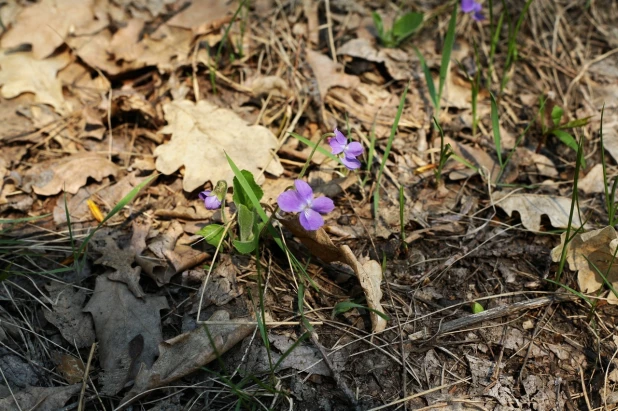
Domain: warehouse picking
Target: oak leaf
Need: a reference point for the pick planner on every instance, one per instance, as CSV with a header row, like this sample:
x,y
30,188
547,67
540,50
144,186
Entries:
x,y
69,173
202,133
23,73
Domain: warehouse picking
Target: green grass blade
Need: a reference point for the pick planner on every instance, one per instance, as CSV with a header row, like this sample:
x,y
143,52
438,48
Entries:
x,y
571,290
495,125
318,148
431,87
387,151
121,204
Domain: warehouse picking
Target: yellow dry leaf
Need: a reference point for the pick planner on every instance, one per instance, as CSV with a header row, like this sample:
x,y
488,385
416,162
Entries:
x,y
23,73
201,135
95,210
596,247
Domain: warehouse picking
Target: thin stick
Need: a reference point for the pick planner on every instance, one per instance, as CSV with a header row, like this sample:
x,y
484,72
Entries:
x,y
420,394
329,23
80,407
10,390
581,374
271,323
497,312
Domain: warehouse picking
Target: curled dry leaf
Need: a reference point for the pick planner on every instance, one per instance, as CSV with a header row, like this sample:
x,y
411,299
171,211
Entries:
x,y
23,73
532,206
69,173
188,352
369,273
201,135
594,247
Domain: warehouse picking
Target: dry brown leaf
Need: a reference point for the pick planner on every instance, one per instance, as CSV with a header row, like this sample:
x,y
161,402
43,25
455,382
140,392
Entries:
x,y
132,319
594,247
167,48
71,368
593,181
155,7
39,398
22,73
398,63
268,84
369,274
46,24
544,166
328,73
477,157
370,277
89,49
374,105
75,326
121,260
201,135
606,96
188,352
532,206
222,285
204,15
69,173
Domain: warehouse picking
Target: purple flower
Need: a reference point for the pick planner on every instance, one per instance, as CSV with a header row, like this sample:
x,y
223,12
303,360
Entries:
x,y
471,6
301,201
350,151
210,199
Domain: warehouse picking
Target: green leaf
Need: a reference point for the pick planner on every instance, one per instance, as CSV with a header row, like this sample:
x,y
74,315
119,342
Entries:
x,y
319,149
476,307
212,234
556,115
495,125
431,87
377,21
240,194
245,247
246,219
406,25
566,138
569,140
346,306
579,122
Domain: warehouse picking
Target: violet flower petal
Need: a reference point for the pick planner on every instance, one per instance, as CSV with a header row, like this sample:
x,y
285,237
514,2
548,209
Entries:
x,y
354,149
212,202
338,143
204,194
323,205
468,6
305,193
311,220
351,162
290,202
478,16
